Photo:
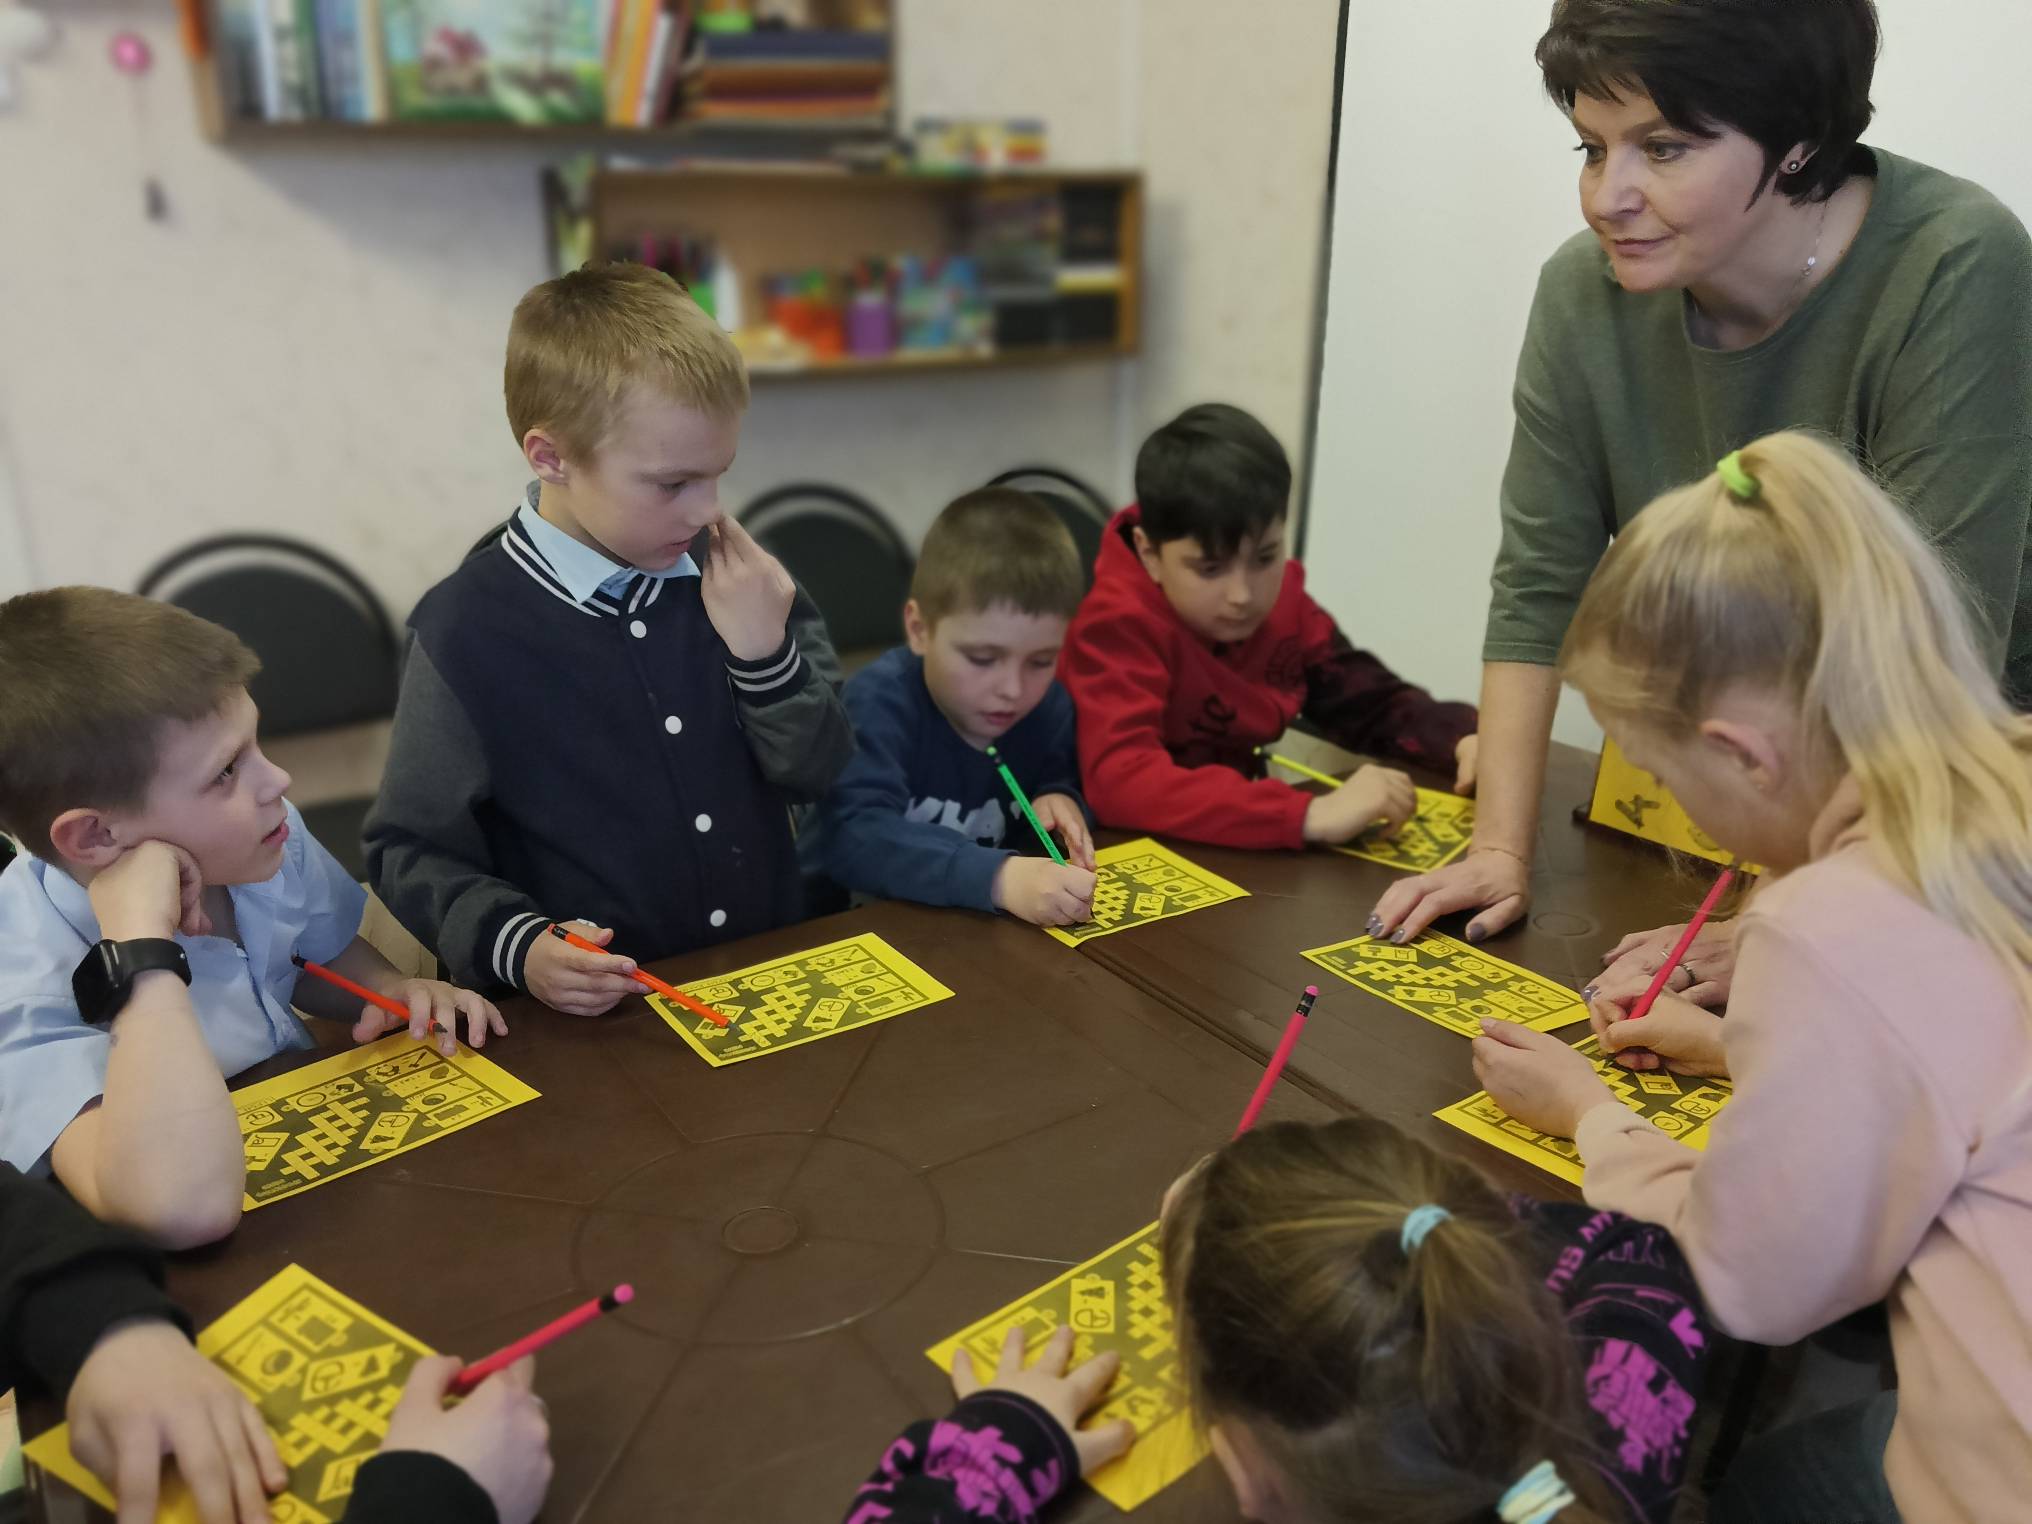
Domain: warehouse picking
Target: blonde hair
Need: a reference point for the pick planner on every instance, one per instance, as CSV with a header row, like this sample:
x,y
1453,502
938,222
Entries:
x,y
578,342
90,677
992,546
1818,588
1381,1384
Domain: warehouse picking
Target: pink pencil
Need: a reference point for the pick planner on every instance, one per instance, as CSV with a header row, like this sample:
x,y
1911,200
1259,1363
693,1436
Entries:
x,y
1714,895
1278,1059
464,1382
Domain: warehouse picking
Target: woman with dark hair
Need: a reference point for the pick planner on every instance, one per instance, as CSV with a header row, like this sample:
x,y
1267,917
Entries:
x,y
1748,266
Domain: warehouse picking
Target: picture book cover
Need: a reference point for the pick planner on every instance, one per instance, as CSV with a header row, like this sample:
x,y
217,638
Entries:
x,y
530,61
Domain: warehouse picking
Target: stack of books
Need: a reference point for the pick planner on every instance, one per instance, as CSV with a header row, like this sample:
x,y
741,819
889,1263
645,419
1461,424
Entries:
x,y
805,78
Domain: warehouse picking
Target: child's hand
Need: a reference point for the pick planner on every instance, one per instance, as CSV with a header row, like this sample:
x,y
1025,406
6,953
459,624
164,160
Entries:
x,y
1538,1079
1379,798
1061,813
152,890
144,1393
577,982
1675,1035
1464,756
1040,891
499,1436
747,592
1065,1395
433,1000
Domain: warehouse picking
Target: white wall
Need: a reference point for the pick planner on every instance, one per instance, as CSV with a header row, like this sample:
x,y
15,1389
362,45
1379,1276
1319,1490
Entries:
x,y
311,343
1456,180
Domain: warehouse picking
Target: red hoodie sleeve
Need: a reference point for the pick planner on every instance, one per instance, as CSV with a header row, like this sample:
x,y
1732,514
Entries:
x,y
1360,704
1119,679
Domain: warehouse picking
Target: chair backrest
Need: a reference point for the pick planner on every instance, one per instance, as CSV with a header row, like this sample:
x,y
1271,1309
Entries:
x,y
1083,510
844,552
329,654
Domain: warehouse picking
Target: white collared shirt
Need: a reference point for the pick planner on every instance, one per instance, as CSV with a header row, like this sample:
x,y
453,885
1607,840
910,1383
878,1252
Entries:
x,y
587,577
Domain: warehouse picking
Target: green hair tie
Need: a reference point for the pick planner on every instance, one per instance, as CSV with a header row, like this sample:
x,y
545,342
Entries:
x,y
1742,486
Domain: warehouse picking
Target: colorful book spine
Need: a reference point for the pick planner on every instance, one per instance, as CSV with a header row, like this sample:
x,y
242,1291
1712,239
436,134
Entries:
x,y
373,64
338,53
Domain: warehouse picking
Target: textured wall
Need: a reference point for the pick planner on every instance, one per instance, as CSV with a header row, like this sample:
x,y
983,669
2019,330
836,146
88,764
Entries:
x,y
311,342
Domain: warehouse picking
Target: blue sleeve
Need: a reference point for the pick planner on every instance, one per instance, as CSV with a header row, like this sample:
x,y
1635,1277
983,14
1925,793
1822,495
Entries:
x,y
1057,770
52,1066
333,901
871,845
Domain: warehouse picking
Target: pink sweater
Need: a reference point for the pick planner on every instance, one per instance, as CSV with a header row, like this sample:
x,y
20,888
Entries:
x,y
1879,1146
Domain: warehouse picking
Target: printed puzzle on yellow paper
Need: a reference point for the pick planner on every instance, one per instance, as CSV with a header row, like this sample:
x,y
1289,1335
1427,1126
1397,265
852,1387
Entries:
x,y
317,1123
325,1373
1450,983
1113,1301
1677,1105
1630,800
1139,882
801,998
1433,837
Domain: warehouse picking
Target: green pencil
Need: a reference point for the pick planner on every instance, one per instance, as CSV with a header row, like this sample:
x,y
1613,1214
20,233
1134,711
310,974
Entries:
x,y
1023,804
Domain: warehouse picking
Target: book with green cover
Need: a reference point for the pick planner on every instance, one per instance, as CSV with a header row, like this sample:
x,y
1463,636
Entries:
x,y
531,61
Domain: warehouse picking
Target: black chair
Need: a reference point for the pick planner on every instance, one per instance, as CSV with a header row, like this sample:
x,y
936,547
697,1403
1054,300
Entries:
x,y
845,553
329,652
1083,510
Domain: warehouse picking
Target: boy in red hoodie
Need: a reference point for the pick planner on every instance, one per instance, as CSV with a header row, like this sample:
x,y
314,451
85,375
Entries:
x,y
1198,644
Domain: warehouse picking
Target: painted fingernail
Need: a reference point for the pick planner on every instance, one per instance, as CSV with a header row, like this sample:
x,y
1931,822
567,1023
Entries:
x,y
1476,933
1375,926
1401,935
1589,992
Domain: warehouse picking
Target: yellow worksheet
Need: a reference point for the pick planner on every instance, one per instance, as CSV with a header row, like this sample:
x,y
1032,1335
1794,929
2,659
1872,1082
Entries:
x,y
1450,983
317,1123
325,1373
1677,1105
1139,882
1113,1301
800,998
1436,835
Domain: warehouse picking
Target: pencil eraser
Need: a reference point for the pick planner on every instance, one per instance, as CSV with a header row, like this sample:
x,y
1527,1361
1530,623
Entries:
x,y
624,1293
1312,990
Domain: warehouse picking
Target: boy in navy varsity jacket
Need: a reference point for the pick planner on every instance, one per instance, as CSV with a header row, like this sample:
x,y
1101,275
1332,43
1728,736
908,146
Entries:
x,y
1199,644
607,713
920,813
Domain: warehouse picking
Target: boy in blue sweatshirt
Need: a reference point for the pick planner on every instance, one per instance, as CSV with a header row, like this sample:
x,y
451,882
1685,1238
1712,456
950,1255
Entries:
x,y
920,812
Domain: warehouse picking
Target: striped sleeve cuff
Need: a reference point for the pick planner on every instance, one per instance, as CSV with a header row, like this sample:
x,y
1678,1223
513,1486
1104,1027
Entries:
x,y
508,949
774,677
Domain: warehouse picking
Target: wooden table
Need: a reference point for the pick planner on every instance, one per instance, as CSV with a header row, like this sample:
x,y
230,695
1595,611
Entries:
x,y
799,1227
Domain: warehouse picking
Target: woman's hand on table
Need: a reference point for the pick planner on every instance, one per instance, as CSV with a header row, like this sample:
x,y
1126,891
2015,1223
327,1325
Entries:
x,y
1675,1035
1496,882
1537,1079
1703,975
1065,1394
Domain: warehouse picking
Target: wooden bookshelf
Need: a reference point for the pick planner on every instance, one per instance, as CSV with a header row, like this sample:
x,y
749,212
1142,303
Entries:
x,y
789,217
221,125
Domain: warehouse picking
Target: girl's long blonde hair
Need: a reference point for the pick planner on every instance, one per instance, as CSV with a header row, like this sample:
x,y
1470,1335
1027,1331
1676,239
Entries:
x,y
1817,587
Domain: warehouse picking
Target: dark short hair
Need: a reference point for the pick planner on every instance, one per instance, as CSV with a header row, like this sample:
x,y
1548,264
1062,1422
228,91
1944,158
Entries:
x,y
997,546
1778,71
1213,474
90,677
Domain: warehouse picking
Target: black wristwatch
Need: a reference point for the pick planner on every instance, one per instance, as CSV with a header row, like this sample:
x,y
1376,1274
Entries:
x,y
102,982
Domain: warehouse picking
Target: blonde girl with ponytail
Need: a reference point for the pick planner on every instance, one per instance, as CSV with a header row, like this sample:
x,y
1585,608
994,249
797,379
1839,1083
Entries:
x,y
1781,647
1371,1333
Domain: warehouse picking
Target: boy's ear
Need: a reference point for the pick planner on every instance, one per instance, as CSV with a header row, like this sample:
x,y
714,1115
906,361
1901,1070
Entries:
x,y
916,628
85,839
545,458
1146,551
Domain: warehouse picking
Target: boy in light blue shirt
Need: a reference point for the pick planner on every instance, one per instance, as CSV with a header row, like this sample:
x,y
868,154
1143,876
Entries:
x,y
147,931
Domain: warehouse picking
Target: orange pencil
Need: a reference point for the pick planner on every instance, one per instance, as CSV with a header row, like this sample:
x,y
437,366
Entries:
x,y
392,1007
666,990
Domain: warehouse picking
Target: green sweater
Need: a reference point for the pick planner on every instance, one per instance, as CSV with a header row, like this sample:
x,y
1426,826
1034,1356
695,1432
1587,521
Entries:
x,y
1915,352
